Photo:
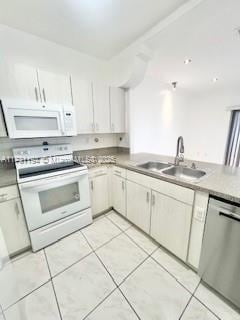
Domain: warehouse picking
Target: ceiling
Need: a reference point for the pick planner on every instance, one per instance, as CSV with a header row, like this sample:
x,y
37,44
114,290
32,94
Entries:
x,y
208,35
101,28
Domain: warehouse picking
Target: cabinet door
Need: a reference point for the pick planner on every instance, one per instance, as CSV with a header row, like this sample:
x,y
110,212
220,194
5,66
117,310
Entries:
x,y
54,88
119,194
138,205
101,107
170,223
21,84
82,100
12,223
99,194
117,109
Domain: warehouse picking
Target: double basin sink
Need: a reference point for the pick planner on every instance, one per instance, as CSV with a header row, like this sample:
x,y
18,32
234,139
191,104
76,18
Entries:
x,y
180,172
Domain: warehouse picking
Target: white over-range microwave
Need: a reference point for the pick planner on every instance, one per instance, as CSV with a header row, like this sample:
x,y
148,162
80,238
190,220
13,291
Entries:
x,y
24,121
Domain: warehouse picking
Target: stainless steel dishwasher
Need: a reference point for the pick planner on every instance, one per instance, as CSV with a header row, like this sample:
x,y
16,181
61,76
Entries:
x,y
220,258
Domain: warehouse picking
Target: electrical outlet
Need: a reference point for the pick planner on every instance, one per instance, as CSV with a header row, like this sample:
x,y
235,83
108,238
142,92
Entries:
x,y
199,214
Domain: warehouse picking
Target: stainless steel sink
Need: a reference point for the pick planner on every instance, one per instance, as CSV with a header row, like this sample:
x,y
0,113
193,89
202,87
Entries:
x,y
185,173
154,166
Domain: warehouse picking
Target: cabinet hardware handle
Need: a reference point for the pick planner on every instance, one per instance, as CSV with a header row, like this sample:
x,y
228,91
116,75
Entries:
x,y
36,93
17,209
123,187
117,172
147,196
153,200
44,95
92,185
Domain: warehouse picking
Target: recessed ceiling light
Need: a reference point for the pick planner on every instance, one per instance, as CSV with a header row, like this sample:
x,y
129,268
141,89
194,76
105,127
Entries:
x,y
215,79
187,61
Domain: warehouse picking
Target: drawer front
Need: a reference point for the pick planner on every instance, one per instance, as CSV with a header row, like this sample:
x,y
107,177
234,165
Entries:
x,y
8,193
167,188
95,172
121,172
173,190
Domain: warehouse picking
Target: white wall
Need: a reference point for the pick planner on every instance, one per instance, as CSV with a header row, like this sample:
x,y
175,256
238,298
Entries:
x,y
17,46
158,117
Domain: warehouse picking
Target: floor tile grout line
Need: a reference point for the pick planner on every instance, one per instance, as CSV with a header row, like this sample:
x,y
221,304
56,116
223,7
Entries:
x,y
182,285
71,265
26,295
101,302
54,291
202,303
149,254
120,289
117,286
185,308
117,224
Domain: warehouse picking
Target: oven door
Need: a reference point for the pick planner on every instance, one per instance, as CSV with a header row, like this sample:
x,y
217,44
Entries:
x,y
54,198
27,122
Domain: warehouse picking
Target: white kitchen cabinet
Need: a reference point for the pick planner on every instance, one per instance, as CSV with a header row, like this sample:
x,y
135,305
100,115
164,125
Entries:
x,y
119,194
83,102
117,110
99,183
54,88
170,223
12,221
101,107
139,205
22,84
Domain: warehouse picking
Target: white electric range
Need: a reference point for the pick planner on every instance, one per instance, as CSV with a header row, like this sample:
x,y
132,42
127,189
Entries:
x,y
54,191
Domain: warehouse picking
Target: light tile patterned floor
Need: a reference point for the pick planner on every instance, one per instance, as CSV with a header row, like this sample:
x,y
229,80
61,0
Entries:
x,y
109,270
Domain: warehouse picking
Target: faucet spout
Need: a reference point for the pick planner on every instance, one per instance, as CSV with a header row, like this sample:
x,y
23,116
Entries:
x,y
180,151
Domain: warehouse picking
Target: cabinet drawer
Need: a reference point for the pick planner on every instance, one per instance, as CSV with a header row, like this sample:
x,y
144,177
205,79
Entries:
x,y
139,178
121,172
99,171
8,193
173,190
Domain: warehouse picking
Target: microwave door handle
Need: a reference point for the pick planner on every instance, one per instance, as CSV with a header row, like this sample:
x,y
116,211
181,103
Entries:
x,y
39,183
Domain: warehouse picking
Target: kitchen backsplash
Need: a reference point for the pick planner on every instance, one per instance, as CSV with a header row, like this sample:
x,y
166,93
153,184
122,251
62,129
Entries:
x,y
81,142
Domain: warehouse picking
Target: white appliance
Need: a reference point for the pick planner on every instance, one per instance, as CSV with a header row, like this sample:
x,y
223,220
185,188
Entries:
x,y
24,121
54,191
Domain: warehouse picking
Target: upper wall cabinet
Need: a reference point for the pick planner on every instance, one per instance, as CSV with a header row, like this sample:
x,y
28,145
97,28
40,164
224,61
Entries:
x,y
117,110
21,84
82,100
101,107
29,86
54,88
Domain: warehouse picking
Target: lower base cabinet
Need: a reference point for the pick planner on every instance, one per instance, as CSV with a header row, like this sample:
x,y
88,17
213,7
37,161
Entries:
x,y
171,223
119,194
13,226
139,205
99,193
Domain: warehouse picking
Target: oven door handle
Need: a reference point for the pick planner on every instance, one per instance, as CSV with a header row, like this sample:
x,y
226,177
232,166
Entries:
x,y
43,182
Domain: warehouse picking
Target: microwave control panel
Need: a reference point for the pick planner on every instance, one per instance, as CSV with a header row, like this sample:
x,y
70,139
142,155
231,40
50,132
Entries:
x,y
69,121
